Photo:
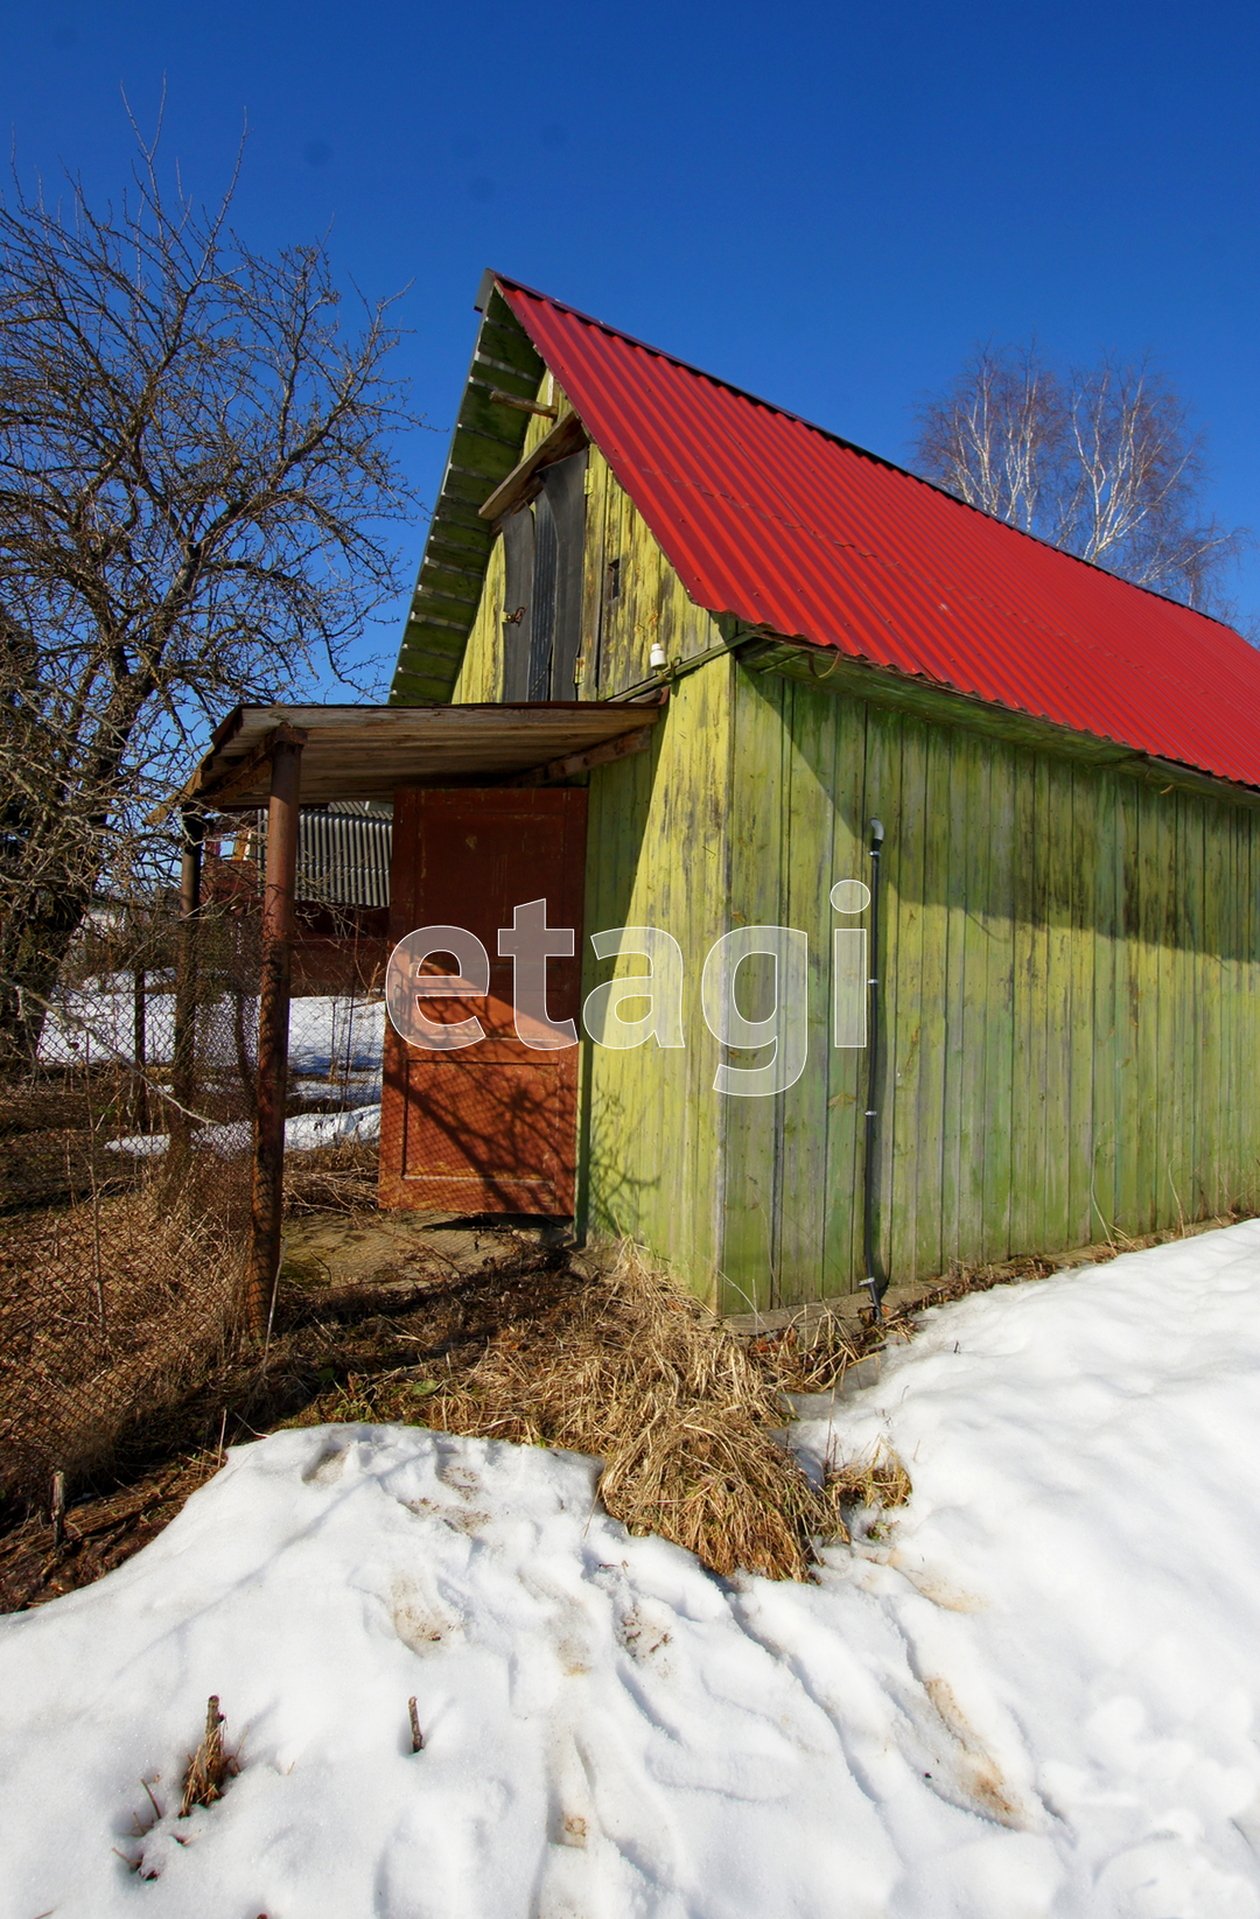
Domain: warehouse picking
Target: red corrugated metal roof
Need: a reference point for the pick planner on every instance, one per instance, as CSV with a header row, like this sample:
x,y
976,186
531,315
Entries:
x,y
782,524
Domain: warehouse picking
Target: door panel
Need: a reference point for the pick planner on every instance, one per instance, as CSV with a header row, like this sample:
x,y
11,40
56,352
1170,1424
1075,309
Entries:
x,y
492,1127
564,485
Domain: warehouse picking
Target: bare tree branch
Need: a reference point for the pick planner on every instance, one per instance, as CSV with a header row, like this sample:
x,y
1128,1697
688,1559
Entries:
x,y
196,481
1101,462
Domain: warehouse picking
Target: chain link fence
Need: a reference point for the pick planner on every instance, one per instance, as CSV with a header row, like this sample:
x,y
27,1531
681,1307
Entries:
x,y
126,1158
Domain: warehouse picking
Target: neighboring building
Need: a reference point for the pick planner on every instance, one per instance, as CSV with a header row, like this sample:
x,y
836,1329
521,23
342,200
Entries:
x,y
342,915
1067,768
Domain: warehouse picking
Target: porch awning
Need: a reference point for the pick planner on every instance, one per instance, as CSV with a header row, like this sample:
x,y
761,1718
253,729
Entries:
x,y
365,752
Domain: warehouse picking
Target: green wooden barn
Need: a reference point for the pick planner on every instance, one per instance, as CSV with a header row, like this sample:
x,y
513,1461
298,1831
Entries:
x,y
1066,767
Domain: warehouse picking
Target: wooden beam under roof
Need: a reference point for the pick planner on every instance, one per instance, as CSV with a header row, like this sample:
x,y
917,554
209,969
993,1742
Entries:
x,y
566,437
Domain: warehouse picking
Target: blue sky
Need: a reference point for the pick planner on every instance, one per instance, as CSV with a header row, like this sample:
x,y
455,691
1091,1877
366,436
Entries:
x,y
827,204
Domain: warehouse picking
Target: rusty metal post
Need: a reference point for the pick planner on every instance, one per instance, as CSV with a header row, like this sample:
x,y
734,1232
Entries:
x,y
273,1027
184,1051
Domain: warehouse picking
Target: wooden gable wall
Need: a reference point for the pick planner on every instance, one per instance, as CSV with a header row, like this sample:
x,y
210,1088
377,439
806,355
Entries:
x,y
632,599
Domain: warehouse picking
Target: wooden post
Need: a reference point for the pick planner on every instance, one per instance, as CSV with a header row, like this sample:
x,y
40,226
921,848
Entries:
x,y
273,1026
184,1061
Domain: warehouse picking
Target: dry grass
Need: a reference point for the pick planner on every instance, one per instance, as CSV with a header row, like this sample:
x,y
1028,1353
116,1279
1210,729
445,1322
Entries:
x,y
613,1360
643,1378
879,1481
54,1133
810,1360
635,1371
341,1178
211,1766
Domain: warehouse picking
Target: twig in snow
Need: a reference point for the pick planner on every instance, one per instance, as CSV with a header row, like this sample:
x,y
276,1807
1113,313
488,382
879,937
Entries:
x,y
417,1737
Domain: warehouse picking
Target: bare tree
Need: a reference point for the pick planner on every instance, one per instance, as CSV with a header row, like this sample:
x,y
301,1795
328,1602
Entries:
x,y
1101,462
195,473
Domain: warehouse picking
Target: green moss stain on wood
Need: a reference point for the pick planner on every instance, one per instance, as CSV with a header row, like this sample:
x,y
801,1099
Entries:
x,y
480,675
754,1199
657,855
634,600
481,670
991,1017
821,801
1109,1021
1070,969
486,445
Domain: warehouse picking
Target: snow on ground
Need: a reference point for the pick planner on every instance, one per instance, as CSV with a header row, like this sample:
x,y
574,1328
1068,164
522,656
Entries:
x,y
93,1024
337,1035
331,1035
1035,1694
302,1134
335,1047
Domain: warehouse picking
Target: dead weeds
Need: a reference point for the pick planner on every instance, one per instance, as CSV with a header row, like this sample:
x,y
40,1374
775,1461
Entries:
x,y
211,1766
614,1360
104,1307
339,1178
637,1373
877,1481
607,1358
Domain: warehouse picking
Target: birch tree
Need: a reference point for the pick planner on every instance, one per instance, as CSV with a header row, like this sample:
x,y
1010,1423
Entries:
x,y
195,479
1101,461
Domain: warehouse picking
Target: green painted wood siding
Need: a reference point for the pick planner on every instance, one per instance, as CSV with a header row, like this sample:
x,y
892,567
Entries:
x,y
657,855
631,597
1072,993
481,670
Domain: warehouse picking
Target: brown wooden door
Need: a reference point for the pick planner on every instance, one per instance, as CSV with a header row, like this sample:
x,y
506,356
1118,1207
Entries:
x,y
492,1127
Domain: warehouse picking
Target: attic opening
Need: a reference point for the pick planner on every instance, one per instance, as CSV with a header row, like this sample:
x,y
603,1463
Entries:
x,y
540,512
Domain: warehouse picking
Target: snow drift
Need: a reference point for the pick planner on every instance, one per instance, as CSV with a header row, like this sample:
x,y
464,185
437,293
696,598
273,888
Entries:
x,y
1035,1694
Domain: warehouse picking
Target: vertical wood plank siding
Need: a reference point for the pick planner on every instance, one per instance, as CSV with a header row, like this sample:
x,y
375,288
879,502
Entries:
x,y
651,606
1071,966
658,854
1072,987
481,674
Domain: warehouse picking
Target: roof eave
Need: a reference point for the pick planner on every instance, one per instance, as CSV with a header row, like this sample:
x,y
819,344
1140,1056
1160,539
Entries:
x,y
823,666
486,446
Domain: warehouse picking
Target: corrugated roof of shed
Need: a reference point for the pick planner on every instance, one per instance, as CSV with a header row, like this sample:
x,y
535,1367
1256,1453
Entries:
x,y
788,527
